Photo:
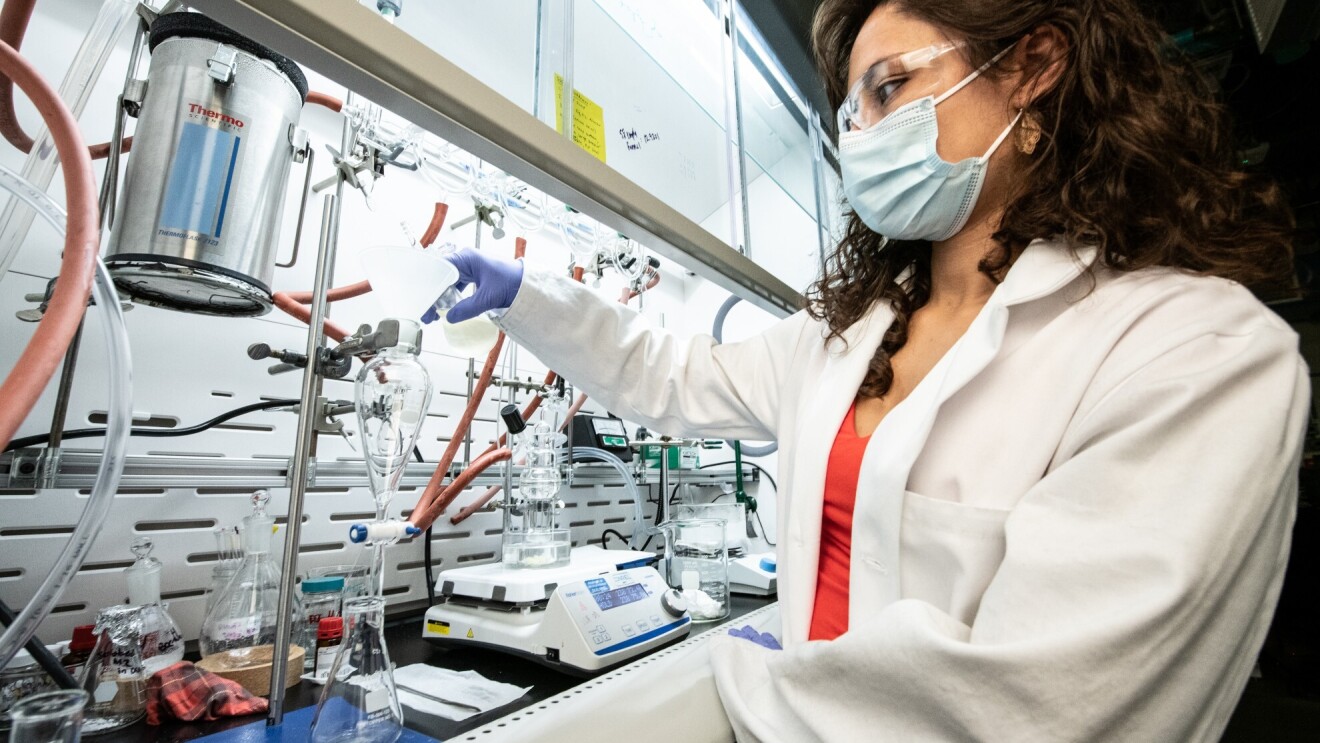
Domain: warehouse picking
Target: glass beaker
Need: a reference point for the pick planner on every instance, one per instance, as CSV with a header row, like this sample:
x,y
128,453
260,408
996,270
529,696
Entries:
x,y
53,717
359,701
735,522
697,563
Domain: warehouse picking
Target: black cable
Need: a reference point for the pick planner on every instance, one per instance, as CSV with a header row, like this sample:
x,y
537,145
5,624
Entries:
x,y
764,534
49,663
426,548
604,538
86,433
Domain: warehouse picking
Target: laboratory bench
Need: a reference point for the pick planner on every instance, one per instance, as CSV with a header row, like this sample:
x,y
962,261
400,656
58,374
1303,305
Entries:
x,y
406,647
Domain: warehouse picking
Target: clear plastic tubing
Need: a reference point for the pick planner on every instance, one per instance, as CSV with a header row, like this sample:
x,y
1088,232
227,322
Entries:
x,y
119,374
639,519
39,168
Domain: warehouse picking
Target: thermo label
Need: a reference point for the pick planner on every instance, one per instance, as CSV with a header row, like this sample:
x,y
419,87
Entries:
x,y
202,174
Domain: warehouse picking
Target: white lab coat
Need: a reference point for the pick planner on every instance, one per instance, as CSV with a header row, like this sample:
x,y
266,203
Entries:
x,y
1074,529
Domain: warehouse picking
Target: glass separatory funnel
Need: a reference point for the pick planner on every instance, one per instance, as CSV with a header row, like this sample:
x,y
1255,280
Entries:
x,y
393,393
243,618
360,702
162,643
114,674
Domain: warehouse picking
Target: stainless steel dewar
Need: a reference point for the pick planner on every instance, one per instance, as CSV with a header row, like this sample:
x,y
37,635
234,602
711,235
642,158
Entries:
x,y
203,195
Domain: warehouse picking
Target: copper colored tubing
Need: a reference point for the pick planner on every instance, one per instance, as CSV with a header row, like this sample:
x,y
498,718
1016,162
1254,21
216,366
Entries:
x,y
334,295
519,248
14,19
300,312
437,222
460,431
485,497
318,98
45,351
460,483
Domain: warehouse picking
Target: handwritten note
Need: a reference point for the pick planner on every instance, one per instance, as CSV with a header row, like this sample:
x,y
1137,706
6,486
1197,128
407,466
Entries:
x,y
588,120
633,140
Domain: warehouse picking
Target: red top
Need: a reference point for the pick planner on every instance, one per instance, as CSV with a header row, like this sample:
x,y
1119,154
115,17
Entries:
x,y
829,618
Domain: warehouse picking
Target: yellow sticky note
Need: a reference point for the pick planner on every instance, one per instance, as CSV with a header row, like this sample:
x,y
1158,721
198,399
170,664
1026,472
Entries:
x,y
588,120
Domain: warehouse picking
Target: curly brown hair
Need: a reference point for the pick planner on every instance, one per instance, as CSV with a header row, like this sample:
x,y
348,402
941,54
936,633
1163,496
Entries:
x,y
1136,159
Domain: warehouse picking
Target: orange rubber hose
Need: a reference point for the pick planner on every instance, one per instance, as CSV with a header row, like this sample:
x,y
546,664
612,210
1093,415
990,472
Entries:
x,y
45,350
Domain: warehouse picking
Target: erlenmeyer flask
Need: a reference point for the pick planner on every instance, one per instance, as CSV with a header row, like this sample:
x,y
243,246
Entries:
x,y
114,675
162,643
244,615
360,702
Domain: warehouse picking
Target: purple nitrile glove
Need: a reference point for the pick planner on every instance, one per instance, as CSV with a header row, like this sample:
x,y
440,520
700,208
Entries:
x,y
497,283
764,639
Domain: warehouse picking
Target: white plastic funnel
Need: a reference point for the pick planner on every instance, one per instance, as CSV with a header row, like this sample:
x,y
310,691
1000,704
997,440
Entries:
x,y
407,281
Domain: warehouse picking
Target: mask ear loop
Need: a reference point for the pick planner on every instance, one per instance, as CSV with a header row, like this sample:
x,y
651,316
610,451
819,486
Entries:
x,y
963,83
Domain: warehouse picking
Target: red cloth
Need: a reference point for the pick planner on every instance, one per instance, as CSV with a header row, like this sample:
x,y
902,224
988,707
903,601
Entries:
x,y
186,692
829,617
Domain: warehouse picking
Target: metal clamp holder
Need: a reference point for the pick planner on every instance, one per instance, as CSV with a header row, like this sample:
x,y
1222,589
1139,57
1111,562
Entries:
x,y
223,64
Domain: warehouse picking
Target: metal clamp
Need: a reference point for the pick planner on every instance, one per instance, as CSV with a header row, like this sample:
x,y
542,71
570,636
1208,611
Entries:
x,y
222,64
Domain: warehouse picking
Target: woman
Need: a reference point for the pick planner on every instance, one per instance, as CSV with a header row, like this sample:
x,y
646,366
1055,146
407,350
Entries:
x,y
1038,442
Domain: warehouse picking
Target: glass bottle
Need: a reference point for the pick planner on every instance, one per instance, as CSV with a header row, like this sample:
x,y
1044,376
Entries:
x,y
243,617
321,598
361,704
162,643
393,393
52,717
114,675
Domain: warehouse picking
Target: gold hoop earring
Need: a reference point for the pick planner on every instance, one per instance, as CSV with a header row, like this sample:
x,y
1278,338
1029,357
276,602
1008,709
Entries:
x,y
1028,134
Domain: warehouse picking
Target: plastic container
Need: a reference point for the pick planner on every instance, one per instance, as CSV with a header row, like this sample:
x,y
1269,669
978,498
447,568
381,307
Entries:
x,y
407,281
356,578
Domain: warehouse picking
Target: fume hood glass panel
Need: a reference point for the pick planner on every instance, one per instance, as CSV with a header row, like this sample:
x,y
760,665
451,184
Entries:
x,y
774,121
781,177
784,236
493,42
649,101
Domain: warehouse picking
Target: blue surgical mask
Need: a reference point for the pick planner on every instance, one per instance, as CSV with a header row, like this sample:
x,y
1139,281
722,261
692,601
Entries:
x,y
898,184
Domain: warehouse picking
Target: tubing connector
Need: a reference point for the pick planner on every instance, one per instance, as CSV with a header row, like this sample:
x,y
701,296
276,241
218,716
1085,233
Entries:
x,y
381,532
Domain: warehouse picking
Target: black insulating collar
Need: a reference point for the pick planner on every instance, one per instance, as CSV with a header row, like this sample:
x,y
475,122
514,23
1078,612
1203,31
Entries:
x,y
198,26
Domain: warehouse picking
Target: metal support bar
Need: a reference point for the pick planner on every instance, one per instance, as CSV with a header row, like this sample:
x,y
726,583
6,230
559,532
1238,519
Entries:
x,y
351,45
21,470
307,420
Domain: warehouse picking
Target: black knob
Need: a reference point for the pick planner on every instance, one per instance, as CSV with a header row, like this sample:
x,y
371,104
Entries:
x,y
513,419
259,351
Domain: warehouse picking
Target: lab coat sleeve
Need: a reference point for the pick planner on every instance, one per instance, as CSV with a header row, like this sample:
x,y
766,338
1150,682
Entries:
x,y
646,374
1132,573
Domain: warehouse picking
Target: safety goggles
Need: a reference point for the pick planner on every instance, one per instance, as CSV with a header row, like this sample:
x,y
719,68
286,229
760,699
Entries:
x,y
895,81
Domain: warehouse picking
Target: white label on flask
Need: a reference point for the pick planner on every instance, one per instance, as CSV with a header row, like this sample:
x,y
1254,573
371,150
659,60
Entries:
x,y
377,699
240,628
325,658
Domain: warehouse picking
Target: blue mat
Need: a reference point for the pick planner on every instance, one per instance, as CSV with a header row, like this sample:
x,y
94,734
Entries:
x,y
297,727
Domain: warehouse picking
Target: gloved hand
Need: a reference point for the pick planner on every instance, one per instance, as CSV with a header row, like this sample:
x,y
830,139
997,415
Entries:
x,y
764,639
497,283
